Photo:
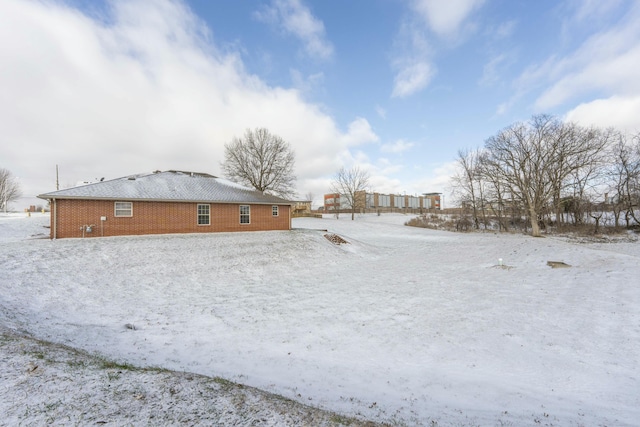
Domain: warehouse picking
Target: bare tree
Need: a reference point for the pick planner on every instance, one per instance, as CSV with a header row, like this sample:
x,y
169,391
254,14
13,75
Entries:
x,y
309,197
634,187
468,184
596,209
352,185
624,178
518,155
465,182
262,161
581,161
9,189
534,161
495,195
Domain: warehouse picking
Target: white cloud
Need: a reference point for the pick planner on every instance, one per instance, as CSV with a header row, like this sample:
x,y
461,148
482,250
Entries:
x,y
601,70
589,10
505,30
148,90
503,107
384,166
491,71
445,18
382,113
437,181
306,84
598,65
397,146
383,185
412,78
295,18
499,58
412,62
622,113
606,61
359,132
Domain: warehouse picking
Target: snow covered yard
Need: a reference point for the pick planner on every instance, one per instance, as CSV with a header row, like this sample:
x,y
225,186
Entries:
x,y
45,383
401,325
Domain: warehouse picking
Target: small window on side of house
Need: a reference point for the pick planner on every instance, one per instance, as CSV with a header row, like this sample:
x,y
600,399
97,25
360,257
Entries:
x,y
123,209
245,214
274,210
204,215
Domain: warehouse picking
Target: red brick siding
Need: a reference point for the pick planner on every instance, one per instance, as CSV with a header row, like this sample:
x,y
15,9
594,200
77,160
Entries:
x,y
158,218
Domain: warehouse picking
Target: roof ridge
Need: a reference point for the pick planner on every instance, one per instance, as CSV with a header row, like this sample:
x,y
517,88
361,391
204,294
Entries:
x,y
191,173
171,185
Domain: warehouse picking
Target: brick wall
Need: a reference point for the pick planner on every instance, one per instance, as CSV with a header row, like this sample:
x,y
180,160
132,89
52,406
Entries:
x,y
158,218
331,201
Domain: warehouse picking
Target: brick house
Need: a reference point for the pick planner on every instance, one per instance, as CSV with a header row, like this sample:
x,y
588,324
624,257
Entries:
x,y
163,203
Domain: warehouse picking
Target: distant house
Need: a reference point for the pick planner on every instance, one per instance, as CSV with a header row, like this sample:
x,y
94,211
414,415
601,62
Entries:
x,y
162,203
301,207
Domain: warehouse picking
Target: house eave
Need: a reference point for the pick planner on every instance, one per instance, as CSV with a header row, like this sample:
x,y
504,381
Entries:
x,y
126,199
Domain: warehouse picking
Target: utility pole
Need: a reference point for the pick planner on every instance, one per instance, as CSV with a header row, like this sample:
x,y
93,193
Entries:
x,y
57,181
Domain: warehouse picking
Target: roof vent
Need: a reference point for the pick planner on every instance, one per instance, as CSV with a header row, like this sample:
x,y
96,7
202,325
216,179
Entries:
x,y
132,178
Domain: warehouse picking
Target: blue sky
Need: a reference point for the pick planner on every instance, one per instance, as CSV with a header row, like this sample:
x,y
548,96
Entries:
x,y
107,89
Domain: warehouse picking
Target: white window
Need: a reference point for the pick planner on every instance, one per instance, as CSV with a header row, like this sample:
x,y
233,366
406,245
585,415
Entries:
x,y
204,217
124,209
245,214
274,210
370,203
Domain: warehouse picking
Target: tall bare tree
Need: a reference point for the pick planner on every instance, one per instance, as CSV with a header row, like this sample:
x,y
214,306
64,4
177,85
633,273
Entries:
x,y
261,160
9,189
579,165
468,183
534,160
514,153
352,185
496,194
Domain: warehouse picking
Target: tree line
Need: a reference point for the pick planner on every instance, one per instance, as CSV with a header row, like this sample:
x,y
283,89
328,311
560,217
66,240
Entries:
x,y
551,173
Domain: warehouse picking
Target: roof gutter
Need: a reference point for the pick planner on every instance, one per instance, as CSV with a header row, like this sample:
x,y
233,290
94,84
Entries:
x,y
129,199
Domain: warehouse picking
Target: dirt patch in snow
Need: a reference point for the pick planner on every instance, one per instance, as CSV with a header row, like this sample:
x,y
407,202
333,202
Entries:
x,y
335,239
558,264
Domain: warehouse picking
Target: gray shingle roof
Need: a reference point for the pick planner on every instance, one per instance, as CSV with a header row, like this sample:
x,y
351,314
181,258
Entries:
x,y
167,186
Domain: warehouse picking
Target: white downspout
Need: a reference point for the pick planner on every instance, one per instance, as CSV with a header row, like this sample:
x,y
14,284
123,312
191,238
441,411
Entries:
x,y
55,219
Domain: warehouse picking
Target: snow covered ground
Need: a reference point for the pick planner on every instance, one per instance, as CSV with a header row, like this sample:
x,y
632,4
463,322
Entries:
x,y
401,325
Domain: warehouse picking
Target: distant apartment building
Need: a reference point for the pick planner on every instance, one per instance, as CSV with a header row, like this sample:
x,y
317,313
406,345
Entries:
x,y
382,202
434,200
332,201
